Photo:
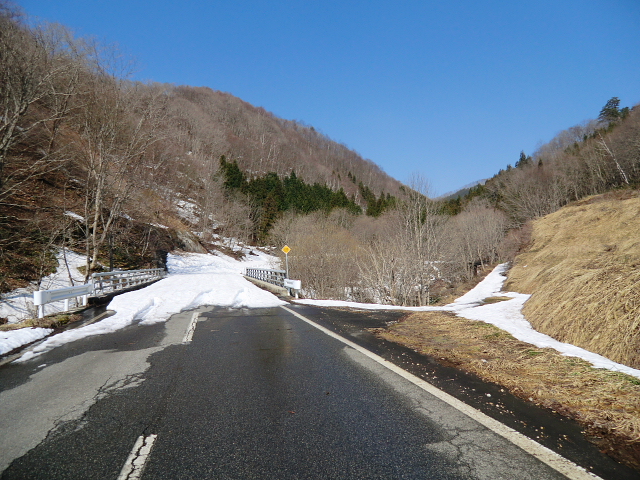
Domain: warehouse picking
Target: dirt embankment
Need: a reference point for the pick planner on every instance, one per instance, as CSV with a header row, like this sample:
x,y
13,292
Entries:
x,y
583,271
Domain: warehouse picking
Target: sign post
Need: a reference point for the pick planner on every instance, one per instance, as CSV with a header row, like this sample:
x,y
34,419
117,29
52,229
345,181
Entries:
x,y
286,251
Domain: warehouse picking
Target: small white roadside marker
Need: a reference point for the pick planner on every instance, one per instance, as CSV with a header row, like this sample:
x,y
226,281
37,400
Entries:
x,y
133,467
188,336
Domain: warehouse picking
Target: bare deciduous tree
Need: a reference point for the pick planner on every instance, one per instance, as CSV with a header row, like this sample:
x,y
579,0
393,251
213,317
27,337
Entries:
x,y
118,123
323,255
473,238
38,76
402,250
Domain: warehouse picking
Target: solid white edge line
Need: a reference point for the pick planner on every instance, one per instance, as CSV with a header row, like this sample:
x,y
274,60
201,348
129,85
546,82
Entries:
x,y
133,467
542,453
188,336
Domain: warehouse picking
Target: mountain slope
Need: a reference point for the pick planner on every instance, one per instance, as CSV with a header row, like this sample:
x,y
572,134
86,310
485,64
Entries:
x,y
210,123
582,269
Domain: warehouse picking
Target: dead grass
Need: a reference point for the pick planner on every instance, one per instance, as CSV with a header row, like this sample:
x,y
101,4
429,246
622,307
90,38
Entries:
x,y
496,299
50,321
606,403
583,271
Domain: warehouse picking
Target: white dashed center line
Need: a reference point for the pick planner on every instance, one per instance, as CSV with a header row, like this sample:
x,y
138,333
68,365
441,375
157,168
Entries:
x,y
134,465
191,328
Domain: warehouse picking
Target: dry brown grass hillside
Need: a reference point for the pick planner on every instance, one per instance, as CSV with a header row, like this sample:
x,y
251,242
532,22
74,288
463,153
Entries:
x,y
583,270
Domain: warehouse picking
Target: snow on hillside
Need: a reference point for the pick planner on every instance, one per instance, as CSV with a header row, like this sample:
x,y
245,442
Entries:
x,y
187,210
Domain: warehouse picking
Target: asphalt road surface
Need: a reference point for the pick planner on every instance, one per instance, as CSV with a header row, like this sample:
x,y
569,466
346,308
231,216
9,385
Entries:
x,y
244,394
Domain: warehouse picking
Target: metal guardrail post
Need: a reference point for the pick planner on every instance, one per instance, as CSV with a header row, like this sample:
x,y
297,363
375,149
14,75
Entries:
x,y
42,297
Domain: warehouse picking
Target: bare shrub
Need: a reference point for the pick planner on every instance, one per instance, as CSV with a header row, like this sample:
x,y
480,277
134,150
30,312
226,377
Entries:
x,y
324,255
472,239
403,249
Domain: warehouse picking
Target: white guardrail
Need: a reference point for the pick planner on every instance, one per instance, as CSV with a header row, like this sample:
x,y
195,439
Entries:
x,y
101,284
275,277
42,297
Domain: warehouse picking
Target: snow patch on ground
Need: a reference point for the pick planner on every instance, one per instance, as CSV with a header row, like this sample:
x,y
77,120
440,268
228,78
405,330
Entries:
x,y
17,305
364,306
23,336
75,216
506,315
194,280
491,286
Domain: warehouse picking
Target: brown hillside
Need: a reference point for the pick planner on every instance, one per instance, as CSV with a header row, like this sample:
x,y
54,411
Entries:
x,y
210,123
583,271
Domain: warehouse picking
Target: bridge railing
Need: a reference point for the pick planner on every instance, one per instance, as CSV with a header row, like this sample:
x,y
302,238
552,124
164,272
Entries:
x,y
100,284
109,282
275,277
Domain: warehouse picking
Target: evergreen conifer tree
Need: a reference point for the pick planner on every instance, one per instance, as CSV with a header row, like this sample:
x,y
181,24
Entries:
x,y
611,111
524,160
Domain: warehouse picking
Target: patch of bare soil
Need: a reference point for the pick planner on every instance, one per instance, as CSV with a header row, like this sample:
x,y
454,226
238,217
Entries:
x,y
606,404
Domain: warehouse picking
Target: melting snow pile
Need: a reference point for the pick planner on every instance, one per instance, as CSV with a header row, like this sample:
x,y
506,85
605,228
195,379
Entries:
x,y
16,338
18,304
506,315
194,280
199,279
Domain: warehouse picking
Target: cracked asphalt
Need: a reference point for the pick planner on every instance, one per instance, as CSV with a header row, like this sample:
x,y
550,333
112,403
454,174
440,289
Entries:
x,y
256,394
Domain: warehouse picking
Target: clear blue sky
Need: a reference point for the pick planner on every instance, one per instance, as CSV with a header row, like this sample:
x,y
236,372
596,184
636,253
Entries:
x,y
451,89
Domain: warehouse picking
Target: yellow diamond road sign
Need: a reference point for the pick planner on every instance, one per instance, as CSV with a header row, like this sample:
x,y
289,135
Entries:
x,y
286,249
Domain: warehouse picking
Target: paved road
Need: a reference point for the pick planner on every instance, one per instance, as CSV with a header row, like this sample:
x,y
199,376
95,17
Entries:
x,y
253,394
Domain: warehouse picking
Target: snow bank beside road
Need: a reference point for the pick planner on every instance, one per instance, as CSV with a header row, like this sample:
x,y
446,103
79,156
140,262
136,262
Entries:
x,y
16,338
219,263
506,315
202,279
194,280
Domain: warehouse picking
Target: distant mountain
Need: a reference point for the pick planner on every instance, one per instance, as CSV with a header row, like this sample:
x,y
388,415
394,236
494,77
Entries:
x,y
462,192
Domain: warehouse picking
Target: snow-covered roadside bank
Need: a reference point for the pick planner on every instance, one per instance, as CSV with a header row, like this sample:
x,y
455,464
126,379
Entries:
x,y
506,315
194,280
23,336
17,305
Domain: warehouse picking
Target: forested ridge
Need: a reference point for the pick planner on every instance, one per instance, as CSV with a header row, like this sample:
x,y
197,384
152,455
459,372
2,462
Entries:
x,y
593,157
94,162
